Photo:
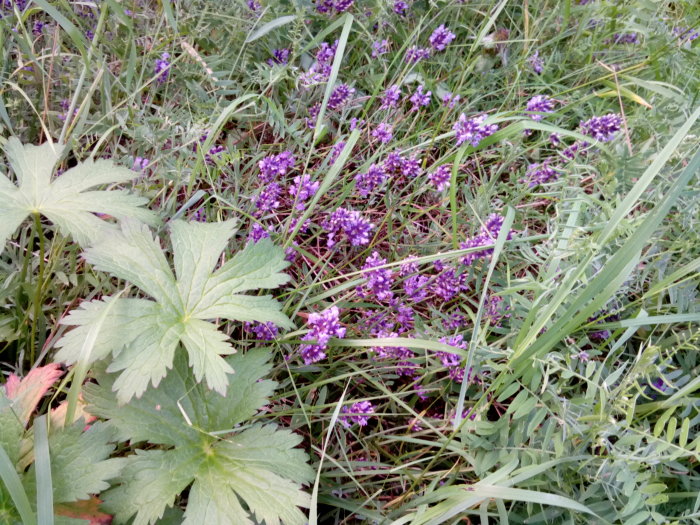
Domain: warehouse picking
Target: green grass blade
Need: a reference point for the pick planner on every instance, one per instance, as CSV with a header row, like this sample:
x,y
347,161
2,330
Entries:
x,y
14,487
42,461
269,26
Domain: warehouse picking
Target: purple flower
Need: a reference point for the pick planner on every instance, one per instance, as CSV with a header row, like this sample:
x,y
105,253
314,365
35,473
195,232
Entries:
x,y
416,288
349,223
274,166
343,5
686,33
379,282
323,325
279,56
140,163
380,47
37,28
258,232
539,104
336,150
321,69
324,6
415,54
405,367
448,284
624,38
365,183
420,99
360,411
263,331
602,128
441,38
540,174
383,132
555,139
440,178
473,130
391,96
339,96
450,100
254,5
303,189
268,198
487,235
571,151
453,362
162,68
400,7
536,63
495,310
410,167
356,123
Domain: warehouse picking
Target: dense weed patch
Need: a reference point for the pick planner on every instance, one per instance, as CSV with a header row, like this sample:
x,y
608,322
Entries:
x,y
349,261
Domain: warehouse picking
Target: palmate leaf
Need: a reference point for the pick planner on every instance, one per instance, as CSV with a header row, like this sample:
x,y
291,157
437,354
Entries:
x,y
143,335
64,201
245,477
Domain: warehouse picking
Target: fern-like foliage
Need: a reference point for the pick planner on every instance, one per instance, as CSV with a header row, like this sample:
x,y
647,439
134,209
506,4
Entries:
x,y
236,474
64,200
142,334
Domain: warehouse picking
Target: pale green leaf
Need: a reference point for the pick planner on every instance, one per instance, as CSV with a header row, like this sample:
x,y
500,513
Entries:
x,y
262,308
197,248
205,345
79,464
64,200
150,481
143,336
251,476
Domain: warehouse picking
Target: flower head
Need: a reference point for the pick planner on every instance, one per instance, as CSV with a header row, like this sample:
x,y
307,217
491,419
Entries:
x,y
441,38
539,104
602,128
473,130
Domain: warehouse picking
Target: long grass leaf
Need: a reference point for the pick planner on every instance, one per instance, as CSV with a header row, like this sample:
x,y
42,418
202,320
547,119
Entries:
x,y
14,487
42,462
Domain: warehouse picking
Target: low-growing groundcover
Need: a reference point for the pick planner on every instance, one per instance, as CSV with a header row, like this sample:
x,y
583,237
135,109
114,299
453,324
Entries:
x,y
341,261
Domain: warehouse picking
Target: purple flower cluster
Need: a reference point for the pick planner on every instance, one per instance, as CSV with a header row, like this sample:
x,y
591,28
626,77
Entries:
x,y
623,38
440,178
415,54
340,96
380,281
323,325
269,198
349,223
450,100
453,362
279,56
449,283
274,166
140,163
487,235
302,189
358,413
366,183
400,353
687,34
258,232
390,98
263,331
162,68
540,174
602,128
441,38
536,63
495,310
420,99
339,6
539,104
380,47
400,7
473,130
383,132
254,5
321,69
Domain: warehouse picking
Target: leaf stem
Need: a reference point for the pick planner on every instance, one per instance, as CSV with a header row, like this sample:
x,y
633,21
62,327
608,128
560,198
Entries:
x,y
39,232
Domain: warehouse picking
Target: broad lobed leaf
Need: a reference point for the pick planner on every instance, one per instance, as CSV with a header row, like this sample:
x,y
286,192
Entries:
x,y
64,200
252,476
143,336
